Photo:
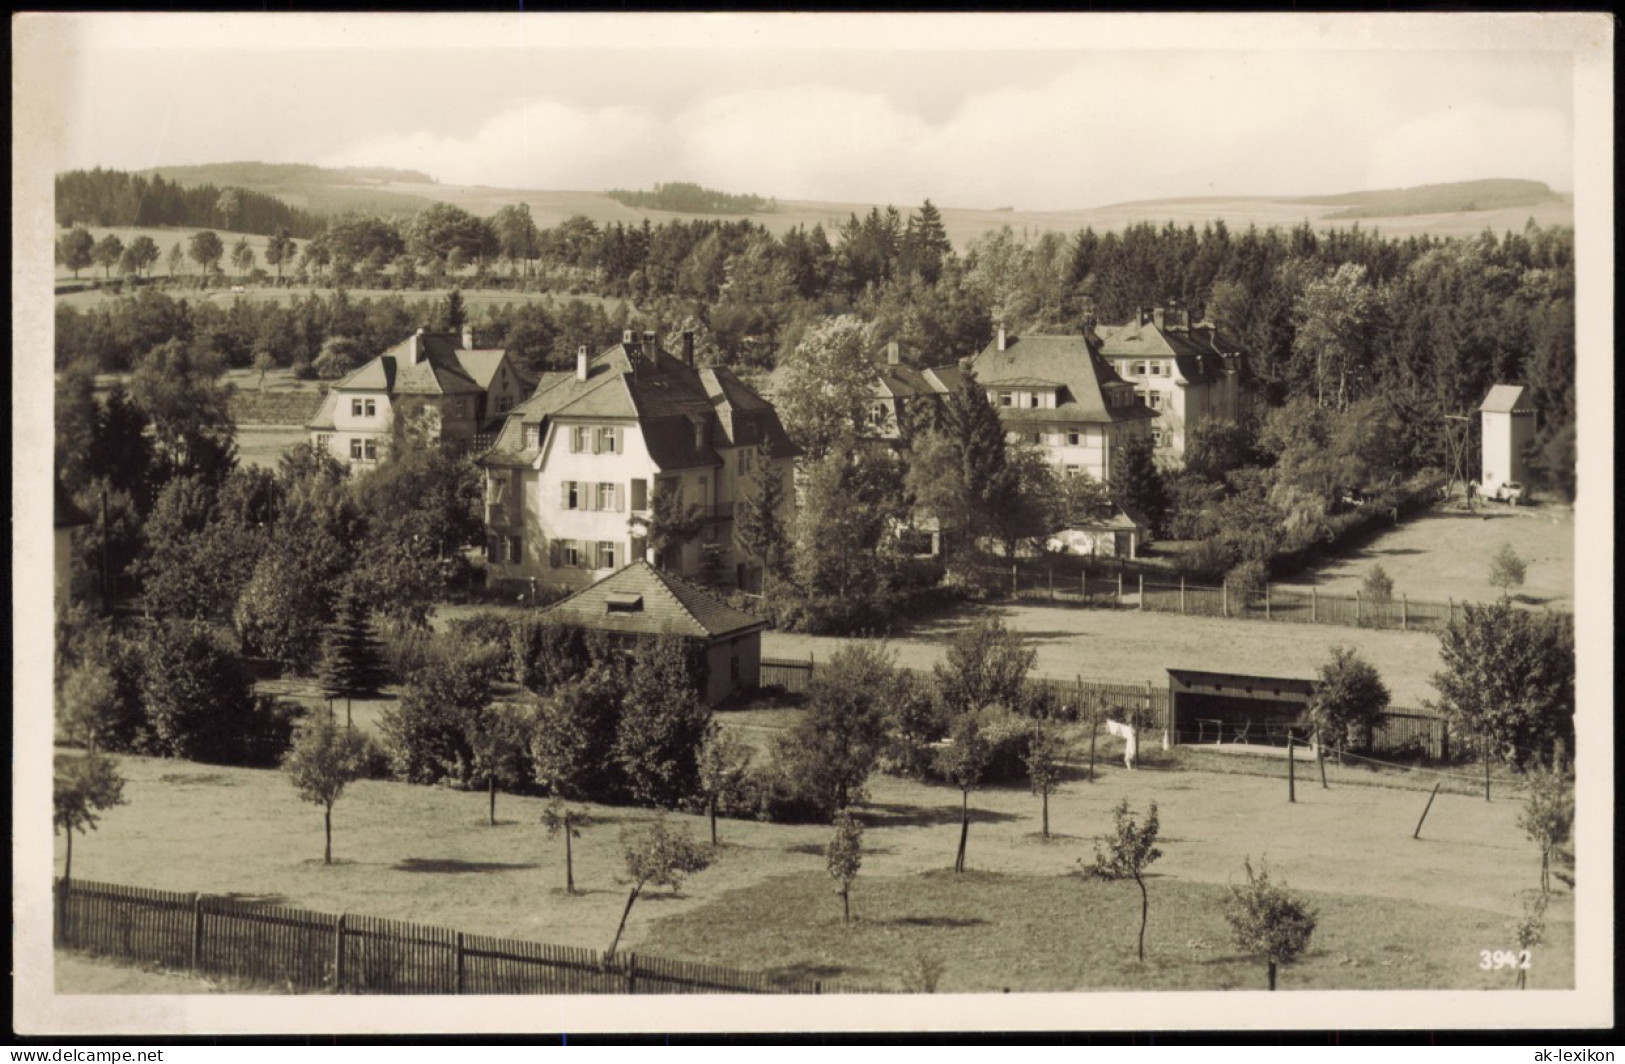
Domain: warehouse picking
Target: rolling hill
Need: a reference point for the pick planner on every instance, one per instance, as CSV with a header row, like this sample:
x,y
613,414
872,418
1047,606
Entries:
x,y
1441,210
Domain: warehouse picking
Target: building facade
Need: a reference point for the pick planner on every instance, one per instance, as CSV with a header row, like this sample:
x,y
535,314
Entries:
x,y
1058,393
1187,373
573,474
443,386
1508,421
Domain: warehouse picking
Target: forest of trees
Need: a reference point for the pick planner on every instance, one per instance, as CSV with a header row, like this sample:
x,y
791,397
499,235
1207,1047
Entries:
x,y
119,199
691,198
1420,326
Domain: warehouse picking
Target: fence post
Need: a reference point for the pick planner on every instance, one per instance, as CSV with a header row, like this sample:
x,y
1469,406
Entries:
x,y
197,932
1291,772
631,972
1266,600
457,948
1119,589
1444,740
1224,598
1404,613
1357,606
1142,589
1314,612
338,953
818,986
1083,585
61,933
1182,593
1052,583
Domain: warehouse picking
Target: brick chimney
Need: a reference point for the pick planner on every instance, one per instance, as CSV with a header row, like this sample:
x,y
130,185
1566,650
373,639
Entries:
x,y
893,353
1001,336
688,348
628,338
468,337
414,347
1157,318
650,346
581,363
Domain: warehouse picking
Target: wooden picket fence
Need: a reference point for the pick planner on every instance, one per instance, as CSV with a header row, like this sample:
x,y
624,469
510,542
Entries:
x,y
347,953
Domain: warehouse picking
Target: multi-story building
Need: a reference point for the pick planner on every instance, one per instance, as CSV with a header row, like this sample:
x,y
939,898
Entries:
x,y
443,385
898,388
1507,417
1058,393
572,476
1188,373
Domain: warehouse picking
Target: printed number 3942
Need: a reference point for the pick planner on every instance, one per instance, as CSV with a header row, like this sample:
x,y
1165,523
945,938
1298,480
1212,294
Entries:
x,y
1503,958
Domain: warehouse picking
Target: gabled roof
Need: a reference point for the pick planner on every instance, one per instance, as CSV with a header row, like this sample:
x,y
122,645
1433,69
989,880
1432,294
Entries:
x,y
1197,351
324,414
1507,399
480,366
1073,361
652,601
944,379
664,396
426,363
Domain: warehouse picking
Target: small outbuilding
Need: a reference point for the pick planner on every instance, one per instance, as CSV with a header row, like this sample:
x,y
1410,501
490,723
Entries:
x,y
642,600
1508,422
1227,707
1118,536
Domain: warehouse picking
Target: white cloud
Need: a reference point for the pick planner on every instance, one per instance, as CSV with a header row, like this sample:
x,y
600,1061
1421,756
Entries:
x,y
1461,143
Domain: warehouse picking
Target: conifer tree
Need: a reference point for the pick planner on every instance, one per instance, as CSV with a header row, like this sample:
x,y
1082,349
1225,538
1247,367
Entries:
x,y
350,660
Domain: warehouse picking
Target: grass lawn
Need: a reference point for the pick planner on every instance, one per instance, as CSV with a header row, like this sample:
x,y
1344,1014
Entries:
x,y
425,854
1446,554
992,932
1133,647
263,445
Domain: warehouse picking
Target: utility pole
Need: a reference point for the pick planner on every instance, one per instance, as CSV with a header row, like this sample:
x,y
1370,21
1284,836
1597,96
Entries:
x,y
1458,452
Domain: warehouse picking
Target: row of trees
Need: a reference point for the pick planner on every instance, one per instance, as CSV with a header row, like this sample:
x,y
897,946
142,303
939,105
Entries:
x,y
117,199
112,336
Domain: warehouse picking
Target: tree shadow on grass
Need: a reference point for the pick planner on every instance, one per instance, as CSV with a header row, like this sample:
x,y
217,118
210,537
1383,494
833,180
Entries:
x,y
898,815
934,921
1531,600
807,972
818,849
452,866
251,900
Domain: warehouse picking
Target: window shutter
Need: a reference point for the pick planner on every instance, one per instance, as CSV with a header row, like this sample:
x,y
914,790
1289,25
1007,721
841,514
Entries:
x,y
553,554
581,554
597,440
564,502
620,441
620,499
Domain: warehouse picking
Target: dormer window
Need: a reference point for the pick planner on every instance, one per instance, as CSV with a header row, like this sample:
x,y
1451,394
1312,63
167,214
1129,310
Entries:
x,y
1007,398
623,603
533,437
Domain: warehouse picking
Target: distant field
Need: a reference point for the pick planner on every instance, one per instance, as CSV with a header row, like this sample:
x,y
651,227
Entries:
x,y
1446,555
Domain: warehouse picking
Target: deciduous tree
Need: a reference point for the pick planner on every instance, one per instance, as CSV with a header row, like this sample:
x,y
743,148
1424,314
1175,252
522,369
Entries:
x,y
825,385
1506,570
206,250
1269,921
1045,750
724,766
836,744
963,761
564,820
1548,814
323,761
1348,701
664,722
83,785
843,857
75,248
659,854
106,253
1127,853
1508,680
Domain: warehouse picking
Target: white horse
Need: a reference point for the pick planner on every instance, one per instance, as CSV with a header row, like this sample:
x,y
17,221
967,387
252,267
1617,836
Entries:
x,y
1130,743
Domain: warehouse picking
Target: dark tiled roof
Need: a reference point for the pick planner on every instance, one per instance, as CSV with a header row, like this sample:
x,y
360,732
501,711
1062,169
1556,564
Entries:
x,y
668,605
1197,351
665,397
1073,361
944,379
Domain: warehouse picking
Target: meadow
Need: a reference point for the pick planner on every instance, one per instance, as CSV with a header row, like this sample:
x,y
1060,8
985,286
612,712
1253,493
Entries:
x,y
1394,912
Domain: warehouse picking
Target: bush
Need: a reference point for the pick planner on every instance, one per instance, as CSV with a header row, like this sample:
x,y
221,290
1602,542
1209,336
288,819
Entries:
x,y
1247,579
1379,586
771,795
489,629
198,699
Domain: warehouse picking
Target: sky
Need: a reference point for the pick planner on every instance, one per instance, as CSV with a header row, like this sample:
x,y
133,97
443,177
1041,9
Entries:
x,y
1032,112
